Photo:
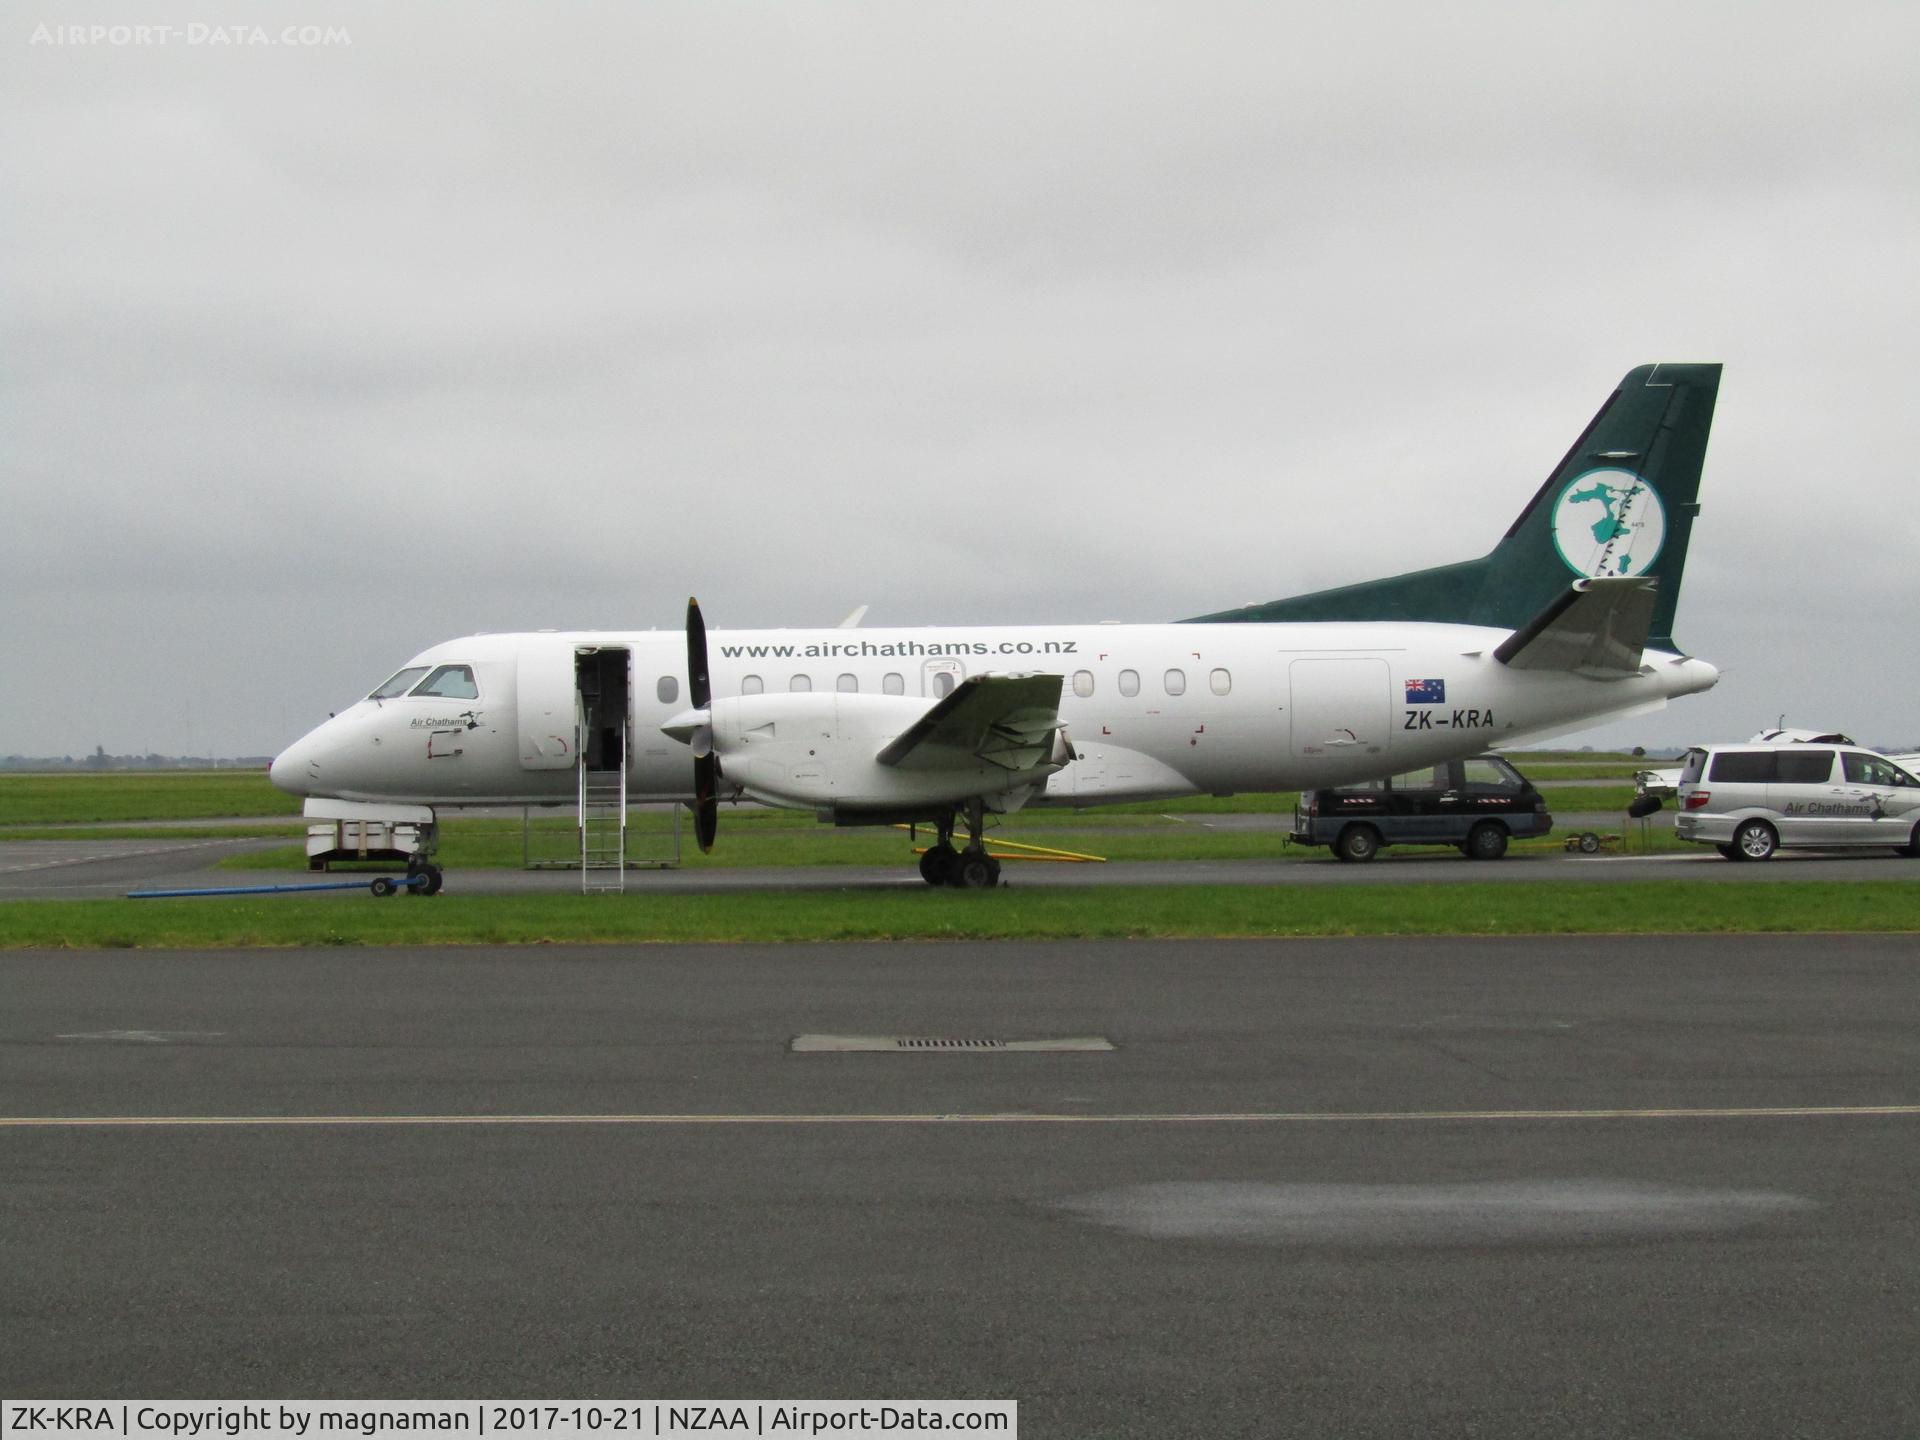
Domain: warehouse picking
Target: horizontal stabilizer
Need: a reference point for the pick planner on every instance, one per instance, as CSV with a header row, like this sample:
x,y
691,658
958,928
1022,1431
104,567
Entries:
x,y
1595,628
1006,720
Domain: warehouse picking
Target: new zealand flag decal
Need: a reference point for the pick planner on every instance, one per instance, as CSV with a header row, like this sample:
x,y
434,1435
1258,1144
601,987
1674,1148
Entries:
x,y
1426,692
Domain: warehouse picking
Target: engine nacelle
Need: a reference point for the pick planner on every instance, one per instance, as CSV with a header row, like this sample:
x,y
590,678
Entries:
x,y
816,752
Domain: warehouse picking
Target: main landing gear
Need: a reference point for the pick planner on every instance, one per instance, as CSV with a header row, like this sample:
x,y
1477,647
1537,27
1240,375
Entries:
x,y
968,869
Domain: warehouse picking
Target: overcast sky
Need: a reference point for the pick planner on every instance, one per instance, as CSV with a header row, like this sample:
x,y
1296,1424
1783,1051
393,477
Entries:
x,y
494,317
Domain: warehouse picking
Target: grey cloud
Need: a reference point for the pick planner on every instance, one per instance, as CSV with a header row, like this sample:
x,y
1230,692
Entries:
x,y
500,317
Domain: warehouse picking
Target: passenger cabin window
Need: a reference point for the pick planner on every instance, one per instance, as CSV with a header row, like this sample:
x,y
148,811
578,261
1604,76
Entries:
x,y
1083,683
1175,681
668,689
1129,683
449,682
399,684
752,685
1872,770
1221,682
800,683
893,683
942,684
847,684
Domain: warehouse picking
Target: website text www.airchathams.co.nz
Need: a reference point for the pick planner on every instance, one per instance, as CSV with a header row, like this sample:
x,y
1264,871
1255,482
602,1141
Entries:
x,y
895,649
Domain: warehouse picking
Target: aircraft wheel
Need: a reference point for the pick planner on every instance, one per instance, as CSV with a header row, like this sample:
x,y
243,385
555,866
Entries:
x,y
1487,841
976,872
435,879
937,864
1755,840
1357,843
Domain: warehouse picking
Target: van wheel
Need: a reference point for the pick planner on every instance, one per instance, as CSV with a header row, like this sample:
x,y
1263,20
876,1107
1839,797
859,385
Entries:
x,y
1755,840
1912,848
1357,843
1730,852
1486,841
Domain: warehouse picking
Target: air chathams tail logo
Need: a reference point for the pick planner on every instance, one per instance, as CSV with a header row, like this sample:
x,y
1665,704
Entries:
x,y
1609,522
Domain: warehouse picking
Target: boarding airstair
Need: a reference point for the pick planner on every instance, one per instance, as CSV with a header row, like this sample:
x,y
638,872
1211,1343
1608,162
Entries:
x,y
603,829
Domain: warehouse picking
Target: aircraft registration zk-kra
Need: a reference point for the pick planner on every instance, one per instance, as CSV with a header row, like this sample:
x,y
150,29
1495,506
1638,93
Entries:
x,y
1566,621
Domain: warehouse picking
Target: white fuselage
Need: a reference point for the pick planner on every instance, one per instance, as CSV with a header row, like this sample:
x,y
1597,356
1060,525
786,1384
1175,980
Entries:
x,y
1152,711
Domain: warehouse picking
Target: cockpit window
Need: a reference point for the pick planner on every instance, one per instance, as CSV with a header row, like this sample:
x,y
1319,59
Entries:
x,y
450,682
399,684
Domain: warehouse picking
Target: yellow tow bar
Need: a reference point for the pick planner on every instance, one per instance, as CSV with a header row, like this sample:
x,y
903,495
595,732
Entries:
x,y
1044,853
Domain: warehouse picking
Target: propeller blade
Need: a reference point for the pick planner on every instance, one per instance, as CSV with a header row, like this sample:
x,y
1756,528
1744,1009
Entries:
x,y
706,804
699,687
706,765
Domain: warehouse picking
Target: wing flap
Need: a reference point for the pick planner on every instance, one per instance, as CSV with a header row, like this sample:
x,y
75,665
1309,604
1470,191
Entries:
x,y
1006,720
1596,628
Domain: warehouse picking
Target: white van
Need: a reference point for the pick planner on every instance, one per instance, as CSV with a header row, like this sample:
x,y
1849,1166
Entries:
x,y
1749,800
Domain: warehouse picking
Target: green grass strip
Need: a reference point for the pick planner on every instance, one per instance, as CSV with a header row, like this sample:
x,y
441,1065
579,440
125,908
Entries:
x,y
1150,911
140,795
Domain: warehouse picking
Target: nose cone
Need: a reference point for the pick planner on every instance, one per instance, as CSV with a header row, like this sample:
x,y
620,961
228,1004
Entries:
x,y
296,769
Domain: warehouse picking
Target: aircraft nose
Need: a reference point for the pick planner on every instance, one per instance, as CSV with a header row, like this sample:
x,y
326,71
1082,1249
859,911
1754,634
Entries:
x,y
296,769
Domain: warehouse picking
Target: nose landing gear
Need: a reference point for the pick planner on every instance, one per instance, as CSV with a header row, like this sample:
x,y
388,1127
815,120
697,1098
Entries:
x,y
423,876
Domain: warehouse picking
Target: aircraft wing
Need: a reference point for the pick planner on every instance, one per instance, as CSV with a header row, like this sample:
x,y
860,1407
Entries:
x,y
1595,628
1006,720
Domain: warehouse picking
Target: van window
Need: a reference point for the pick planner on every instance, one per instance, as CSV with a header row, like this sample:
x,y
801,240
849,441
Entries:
x,y
668,689
1221,682
847,684
893,683
1751,767
1434,777
1129,683
1691,767
1873,770
1803,767
1176,682
1484,774
1083,683
450,682
752,685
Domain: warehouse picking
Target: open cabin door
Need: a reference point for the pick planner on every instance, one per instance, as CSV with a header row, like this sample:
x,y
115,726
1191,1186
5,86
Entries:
x,y
603,686
574,701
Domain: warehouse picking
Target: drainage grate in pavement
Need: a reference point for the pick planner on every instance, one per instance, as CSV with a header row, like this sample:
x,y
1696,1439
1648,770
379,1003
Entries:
x,y
922,1044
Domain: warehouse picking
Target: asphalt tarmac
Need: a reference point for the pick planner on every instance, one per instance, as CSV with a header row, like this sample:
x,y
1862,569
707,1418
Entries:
x,y
1401,1187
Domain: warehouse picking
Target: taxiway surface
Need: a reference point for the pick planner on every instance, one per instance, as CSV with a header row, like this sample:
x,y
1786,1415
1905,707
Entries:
x,y
1369,1187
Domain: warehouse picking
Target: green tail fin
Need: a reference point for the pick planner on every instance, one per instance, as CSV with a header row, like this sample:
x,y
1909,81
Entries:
x,y
1622,502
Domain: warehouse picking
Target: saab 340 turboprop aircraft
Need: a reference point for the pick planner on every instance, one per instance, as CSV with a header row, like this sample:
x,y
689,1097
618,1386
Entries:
x,y
1568,620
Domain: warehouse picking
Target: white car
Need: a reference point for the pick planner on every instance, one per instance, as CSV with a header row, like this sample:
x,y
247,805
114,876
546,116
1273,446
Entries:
x,y
1749,800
